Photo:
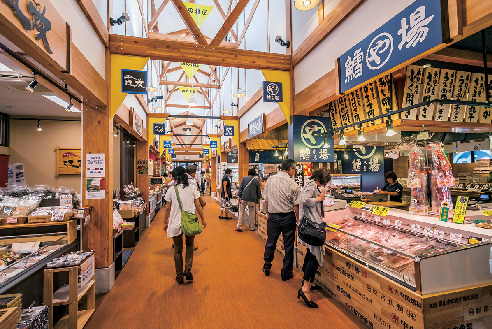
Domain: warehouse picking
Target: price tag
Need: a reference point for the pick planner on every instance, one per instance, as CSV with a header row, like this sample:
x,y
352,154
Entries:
x,y
11,220
380,211
415,228
428,232
398,223
455,237
386,222
487,213
357,204
334,226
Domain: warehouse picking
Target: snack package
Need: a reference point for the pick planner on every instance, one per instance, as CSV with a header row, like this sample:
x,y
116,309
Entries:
x,y
442,178
417,182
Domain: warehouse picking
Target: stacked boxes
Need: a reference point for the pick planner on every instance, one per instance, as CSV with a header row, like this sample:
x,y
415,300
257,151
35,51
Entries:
x,y
9,317
262,226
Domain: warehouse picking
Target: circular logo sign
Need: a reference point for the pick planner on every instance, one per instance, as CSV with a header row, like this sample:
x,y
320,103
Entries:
x,y
313,133
379,51
273,89
363,152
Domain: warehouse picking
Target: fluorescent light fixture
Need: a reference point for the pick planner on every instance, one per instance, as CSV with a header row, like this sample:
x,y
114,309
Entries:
x,y
227,111
189,122
240,93
152,89
305,4
192,101
57,100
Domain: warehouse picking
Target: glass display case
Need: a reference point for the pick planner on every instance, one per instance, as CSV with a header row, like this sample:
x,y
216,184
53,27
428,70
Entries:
x,y
345,180
418,252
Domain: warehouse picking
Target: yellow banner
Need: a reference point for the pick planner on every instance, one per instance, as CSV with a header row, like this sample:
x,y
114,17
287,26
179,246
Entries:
x,y
284,78
199,14
150,129
118,63
460,209
215,139
188,92
190,68
235,124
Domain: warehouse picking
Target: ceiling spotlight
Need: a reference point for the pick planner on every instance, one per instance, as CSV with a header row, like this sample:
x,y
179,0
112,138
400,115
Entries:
x,y
389,129
232,103
189,122
227,111
122,19
192,101
152,89
361,136
345,155
30,87
276,153
155,98
283,43
38,128
69,106
305,4
327,145
241,92
116,133
342,140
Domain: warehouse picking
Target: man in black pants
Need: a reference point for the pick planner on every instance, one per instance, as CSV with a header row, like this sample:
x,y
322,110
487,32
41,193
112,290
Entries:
x,y
282,203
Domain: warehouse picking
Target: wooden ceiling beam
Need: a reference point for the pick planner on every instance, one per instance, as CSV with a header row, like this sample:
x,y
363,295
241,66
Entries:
x,y
174,88
182,106
203,92
174,69
231,19
200,54
189,22
464,57
189,84
185,38
224,16
248,22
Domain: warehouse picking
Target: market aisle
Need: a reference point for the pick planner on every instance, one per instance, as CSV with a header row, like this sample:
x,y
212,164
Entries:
x,y
230,290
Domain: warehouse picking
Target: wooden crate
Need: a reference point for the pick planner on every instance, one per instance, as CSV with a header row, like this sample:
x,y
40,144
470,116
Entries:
x,y
9,317
14,220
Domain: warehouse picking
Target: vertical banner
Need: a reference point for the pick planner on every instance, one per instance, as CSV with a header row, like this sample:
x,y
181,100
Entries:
x,y
310,139
388,101
356,104
460,93
150,127
485,113
284,78
431,88
198,12
477,94
235,130
446,88
215,143
188,92
412,92
370,98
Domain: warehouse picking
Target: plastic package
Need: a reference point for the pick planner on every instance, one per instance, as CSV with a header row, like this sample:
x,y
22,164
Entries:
x,y
442,178
417,182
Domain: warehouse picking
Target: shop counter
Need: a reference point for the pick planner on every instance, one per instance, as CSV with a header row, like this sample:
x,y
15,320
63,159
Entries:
x,y
390,204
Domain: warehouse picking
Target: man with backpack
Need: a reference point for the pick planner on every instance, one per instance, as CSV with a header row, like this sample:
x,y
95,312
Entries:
x,y
249,194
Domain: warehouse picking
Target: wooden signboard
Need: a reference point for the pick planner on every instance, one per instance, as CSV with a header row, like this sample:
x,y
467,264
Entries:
x,y
137,123
335,123
460,93
344,111
68,161
477,94
446,88
41,23
413,91
486,112
370,100
431,89
357,105
384,90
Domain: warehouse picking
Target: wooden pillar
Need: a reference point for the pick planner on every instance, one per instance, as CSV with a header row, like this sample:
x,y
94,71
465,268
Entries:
x,y
243,165
142,181
98,138
213,174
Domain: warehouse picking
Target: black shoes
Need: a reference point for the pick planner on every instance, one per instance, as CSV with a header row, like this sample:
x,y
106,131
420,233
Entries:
x,y
187,274
288,277
266,271
309,303
179,279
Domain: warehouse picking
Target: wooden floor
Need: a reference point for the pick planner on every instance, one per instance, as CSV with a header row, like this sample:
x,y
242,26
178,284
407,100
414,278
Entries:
x,y
229,291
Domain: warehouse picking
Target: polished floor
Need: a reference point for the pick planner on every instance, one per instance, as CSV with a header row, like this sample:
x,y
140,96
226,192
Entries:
x,y
229,291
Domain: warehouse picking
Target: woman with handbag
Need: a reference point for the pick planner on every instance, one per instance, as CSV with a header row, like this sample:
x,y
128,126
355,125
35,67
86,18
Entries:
x,y
311,213
180,219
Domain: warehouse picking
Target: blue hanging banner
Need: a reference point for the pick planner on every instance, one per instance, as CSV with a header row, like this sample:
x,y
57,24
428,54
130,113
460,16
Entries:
x,y
213,144
167,144
228,131
272,92
206,151
256,126
368,161
412,32
200,155
159,129
170,151
174,156
310,139
232,157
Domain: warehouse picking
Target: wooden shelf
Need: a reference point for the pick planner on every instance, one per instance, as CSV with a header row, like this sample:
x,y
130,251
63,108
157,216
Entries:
x,y
63,300
82,318
8,226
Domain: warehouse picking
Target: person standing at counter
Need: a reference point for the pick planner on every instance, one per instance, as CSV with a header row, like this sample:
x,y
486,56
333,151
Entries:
x,y
249,194
311,207
392,187
281,196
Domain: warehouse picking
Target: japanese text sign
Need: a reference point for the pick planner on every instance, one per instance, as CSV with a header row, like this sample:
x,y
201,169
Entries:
x,y
171,151
310,139
256,126
357,204
133,82
159,129
167,144
95,165
213,144
272,92
413,31
228,131
379,210
206,151
460,210
368,161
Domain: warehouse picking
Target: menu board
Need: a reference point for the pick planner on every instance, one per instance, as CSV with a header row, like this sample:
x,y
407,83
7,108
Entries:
x,y
356,105
477,94
370,100
412,92
344,110
388,104
429,93
460,93
446,87
485,112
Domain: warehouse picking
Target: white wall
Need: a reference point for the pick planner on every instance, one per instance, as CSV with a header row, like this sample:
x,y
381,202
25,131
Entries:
x,y
131,101
83,36
102,8
352,30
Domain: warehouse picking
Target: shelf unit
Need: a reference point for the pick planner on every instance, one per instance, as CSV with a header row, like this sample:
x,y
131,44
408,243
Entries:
x,y
71,228
118,250
70,296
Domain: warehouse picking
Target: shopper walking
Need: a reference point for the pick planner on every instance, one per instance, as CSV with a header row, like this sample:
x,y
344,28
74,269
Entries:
x,y
202,183
311,207
282,203
225,194
248,195
188,197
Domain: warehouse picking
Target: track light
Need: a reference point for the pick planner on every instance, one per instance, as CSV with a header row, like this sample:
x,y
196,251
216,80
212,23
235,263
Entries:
x,y
115,134
241,92
276,153
361,137
69,106
192,101
122,19
38,128
30,87
283,43
389,129
232,104
342,140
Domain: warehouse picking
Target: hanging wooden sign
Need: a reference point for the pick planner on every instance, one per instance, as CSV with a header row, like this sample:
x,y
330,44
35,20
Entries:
x,y
332,113
68,161
344,110
384,89
461,94
356,105
446,87
430,90
486,112
370,100
477,94
413,91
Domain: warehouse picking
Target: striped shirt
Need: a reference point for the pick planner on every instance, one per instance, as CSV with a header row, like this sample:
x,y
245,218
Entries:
x,y
282,193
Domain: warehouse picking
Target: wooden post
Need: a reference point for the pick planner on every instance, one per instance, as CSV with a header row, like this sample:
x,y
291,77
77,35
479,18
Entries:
x,y
98,138
142,181
243,165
